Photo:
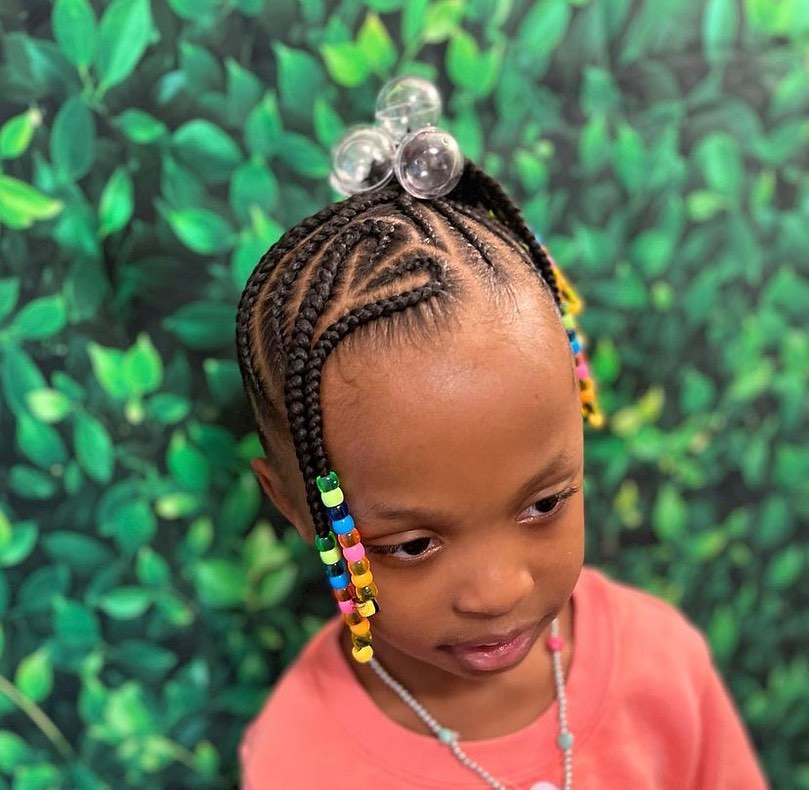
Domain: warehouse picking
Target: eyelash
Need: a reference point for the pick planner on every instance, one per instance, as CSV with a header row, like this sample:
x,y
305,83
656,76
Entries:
x,y
393,548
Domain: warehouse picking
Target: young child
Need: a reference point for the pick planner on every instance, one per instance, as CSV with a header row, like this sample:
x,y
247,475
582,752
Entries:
x,y
416,340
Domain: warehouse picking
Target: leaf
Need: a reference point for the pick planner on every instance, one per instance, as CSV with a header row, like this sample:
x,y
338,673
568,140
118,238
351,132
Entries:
x,y
108,367
73,138
202,231
142,367
34,676
140,127
21,205
345,63
785,568
376,45
202,325
670,516
300,79
75,30
720,26
14,752
168,408
125,603
304,156
720,160
82,553
30,483
263,131
224,381
544,27
126,711
41,318
48,405
124,33
131,523
207,150
187,465
116,204
94,448
17,132
244,90
441,20
75,625
469,68
9,293
23,540
40,443
152,570
220,583
252,184
630,158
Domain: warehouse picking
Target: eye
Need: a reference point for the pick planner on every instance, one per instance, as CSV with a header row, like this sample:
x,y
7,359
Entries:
x,y
547,506
408,551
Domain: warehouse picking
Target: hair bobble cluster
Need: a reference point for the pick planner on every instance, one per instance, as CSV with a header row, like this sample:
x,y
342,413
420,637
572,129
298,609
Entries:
x,y
405,142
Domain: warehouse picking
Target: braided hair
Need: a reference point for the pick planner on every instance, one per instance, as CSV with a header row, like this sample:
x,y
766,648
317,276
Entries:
x,y
379,259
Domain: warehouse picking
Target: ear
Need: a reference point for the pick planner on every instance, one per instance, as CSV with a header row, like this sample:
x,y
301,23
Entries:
x,y
279,493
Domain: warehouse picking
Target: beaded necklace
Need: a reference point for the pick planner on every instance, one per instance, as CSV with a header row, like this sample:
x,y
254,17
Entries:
x,y
449,737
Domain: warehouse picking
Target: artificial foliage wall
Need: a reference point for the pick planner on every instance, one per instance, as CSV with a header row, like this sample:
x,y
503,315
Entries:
x,y
151,150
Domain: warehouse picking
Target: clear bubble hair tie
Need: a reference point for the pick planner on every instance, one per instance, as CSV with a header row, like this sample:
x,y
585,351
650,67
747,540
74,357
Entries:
x,y
404,143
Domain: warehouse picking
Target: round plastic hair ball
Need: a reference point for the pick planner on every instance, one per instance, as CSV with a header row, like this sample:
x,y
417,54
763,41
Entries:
x,y
406,104
429,163
361,161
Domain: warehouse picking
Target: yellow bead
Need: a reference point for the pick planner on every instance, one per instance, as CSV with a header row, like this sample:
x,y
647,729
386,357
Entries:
x,y
361,628
353,618
361,640
568,322
331,556
359,567
367,593
362,580
332,498
366,608
362,655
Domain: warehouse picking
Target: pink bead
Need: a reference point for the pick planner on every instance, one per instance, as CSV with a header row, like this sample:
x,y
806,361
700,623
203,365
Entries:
x,y
555,644
354,553
346,607
582,371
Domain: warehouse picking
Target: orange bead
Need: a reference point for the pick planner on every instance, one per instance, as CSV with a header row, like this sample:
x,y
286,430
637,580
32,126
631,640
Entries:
x,y
362,628
359,567
362,579
349,539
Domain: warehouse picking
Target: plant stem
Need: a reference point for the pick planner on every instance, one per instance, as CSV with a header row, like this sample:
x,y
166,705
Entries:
x,y
41,719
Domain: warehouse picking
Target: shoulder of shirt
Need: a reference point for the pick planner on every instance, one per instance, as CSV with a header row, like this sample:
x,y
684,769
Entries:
x,y
642,619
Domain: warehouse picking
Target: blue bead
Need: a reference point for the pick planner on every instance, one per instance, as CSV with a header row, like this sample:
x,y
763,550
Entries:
x,y
339,582
565,740
343,526
336,569
336,513
576,346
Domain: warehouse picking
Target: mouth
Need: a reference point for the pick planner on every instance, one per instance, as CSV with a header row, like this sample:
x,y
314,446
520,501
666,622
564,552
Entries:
x,y
493,653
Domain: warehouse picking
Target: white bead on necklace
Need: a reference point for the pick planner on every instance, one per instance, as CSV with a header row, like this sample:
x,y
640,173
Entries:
x,y
450,738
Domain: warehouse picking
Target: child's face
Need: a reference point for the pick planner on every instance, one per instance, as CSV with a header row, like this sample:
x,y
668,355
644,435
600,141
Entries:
x,y
450,453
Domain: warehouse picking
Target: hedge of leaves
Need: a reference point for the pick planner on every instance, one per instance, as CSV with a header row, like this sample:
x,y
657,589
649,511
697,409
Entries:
x,y
152,149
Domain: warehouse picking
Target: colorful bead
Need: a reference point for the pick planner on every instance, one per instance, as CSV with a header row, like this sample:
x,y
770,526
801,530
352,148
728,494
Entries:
x,y
362,628
332,498
331,556
336,568
582,370
367,592
354,553
568,322
359,567
346,607
344,594
324,542
565,740
351,538
328,482
343,526
336,513
339,581
555,644
361,640
362,655
362,579
366,608
576,346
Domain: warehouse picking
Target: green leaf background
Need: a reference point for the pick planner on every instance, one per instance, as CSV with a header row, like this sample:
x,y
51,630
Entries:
x,y
151,150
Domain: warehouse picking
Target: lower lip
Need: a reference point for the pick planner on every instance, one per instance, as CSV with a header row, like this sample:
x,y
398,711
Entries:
x,y
490,658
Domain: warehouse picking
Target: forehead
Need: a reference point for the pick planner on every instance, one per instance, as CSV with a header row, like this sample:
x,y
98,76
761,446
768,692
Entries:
x,y
490,398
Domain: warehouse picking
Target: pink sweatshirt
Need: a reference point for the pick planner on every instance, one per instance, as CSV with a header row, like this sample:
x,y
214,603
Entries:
x,y
645,704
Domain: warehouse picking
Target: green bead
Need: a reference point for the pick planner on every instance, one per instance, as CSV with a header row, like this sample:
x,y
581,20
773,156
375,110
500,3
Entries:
x,y
332,498
325,544
568,322
446,735
565,740
331,556
328,483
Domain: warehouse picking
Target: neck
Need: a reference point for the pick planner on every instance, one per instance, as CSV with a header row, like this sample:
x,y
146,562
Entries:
x,y
478,707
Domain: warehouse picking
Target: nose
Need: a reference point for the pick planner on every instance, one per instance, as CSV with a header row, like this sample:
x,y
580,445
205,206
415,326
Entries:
x,y
494,583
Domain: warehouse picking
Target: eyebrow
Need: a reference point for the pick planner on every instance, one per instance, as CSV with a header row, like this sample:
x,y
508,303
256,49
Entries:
x,y
383,512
